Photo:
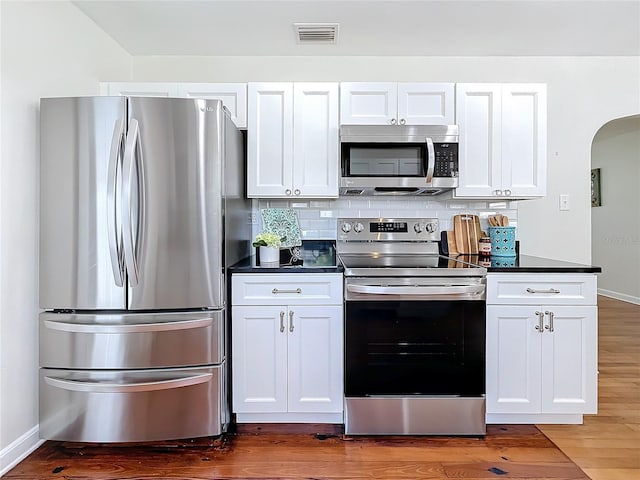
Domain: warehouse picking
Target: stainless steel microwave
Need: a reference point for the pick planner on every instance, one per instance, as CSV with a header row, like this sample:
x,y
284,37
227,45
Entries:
x,y
398,159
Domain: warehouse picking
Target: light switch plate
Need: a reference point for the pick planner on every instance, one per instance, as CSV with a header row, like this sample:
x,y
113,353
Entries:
x,y
564,202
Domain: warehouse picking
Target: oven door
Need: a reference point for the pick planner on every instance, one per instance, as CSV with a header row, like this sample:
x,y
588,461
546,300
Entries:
x,y
409,347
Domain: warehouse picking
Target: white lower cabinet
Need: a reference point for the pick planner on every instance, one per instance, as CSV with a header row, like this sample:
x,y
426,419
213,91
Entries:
x,y
541,357
287,359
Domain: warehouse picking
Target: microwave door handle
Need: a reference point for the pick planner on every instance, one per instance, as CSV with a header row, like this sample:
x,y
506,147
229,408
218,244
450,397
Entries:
x,y
431,160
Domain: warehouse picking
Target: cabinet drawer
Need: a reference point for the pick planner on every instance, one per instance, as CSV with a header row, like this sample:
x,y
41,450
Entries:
x,y
538,289
279,289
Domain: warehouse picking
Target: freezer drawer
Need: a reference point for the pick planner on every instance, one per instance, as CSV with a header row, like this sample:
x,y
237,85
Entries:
x,y
131,340
132,406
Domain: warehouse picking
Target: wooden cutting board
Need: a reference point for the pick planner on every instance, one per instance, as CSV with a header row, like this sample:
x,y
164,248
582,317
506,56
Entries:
x,y
464,228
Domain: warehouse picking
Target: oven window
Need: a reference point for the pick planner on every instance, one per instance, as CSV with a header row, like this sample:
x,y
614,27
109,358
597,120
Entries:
x,y
415,348
381,160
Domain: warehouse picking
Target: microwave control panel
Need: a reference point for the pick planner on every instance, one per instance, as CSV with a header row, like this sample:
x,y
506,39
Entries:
x,y
446,161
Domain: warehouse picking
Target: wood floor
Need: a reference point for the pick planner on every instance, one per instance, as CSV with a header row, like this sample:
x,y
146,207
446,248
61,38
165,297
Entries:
x,y
607,445
513,452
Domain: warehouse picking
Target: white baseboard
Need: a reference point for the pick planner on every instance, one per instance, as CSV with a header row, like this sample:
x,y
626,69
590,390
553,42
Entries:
x,y
19,449
619,296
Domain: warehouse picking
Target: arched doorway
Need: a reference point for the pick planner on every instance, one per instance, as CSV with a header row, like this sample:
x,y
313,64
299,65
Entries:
x,y
615,224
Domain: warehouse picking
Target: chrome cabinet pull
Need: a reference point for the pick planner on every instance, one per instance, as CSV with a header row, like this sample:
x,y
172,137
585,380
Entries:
x,y
393,121
287,191
550,326
540,325
402,121
281,322
291,320
276,291
550,290
296,191
507,192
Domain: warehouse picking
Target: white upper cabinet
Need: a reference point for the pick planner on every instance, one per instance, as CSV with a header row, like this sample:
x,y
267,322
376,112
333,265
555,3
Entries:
x,y
503,140
233,96
292,140
139,89
391,103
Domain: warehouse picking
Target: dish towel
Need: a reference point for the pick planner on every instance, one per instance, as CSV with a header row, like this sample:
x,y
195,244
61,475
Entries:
x,y
282,222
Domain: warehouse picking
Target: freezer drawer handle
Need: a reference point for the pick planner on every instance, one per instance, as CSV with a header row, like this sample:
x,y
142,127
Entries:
x,y
417,290
101,387
139,328
550,290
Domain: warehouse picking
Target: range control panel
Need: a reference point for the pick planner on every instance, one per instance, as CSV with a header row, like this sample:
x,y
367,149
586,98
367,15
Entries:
x,y
388,229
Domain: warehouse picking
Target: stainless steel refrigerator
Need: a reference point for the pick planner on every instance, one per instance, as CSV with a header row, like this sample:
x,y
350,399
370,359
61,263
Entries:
x,y
142,208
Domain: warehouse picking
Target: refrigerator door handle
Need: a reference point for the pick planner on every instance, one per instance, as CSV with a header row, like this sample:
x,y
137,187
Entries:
x,y
104,387
115,159
135,328
128,230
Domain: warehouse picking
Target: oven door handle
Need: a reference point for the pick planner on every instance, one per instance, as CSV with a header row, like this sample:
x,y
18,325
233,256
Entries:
x,y
417,290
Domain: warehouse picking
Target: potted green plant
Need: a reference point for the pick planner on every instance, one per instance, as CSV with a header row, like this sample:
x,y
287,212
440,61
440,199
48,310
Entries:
x,y
269,245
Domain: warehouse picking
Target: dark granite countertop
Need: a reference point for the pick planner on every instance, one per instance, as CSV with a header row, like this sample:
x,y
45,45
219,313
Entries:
x,y
315,256
530,264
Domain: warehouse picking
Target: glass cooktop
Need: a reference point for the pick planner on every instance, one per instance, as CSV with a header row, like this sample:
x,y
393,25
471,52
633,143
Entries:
x,y
407,265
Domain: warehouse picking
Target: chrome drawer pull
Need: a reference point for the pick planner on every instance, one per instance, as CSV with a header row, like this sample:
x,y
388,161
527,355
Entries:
x,y
276,291
550,290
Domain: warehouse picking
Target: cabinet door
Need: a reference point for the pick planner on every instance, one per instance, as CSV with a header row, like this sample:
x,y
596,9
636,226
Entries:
x,y
259,365
270,140
315,143
139,89
513,360
315,359
524,140
478,109
425,104
569,360
233,96
363,103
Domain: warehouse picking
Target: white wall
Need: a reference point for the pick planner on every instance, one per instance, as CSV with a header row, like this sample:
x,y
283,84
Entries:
x,y
584,93
616,224
47,49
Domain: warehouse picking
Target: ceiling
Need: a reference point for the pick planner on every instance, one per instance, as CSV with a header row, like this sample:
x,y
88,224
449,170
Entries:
x,y
372,27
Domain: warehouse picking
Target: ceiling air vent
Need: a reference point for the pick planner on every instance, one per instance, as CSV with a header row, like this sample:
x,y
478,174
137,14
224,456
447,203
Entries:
x,y
316,33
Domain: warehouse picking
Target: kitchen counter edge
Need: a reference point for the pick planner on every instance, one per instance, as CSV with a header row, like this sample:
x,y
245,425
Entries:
x,y
531,264
248,265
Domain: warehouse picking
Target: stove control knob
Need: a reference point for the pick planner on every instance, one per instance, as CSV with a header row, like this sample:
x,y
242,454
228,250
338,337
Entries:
x,y
417,228
358,227
431,227
346,227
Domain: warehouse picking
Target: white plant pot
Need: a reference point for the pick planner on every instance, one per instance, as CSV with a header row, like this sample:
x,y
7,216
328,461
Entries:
x,y
269,256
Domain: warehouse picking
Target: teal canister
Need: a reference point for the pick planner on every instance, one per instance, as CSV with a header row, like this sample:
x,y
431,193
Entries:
x,y
503,241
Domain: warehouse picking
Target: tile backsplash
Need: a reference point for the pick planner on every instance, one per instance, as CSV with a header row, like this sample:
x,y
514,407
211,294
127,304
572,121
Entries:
x,y
318,218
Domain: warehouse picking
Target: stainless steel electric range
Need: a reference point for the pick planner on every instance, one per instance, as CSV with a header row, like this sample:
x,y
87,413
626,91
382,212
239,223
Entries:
x,y
414,331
